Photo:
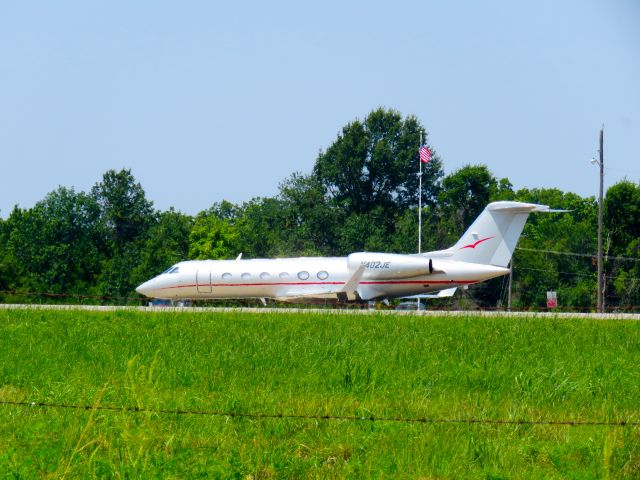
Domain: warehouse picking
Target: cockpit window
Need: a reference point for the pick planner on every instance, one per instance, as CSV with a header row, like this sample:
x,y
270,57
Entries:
x,y
167,270
171,270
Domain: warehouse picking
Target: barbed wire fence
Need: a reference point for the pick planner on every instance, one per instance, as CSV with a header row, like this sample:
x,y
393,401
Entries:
x,y
326,417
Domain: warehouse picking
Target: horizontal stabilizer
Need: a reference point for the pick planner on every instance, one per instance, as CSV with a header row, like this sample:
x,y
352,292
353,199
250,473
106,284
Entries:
x,y
441,294
446,293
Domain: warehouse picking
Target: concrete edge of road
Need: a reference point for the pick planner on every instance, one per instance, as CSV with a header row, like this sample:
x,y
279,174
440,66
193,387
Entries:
x,y
426,313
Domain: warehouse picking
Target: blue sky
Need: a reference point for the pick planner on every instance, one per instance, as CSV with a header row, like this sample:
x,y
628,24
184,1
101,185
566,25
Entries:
x,y
207,101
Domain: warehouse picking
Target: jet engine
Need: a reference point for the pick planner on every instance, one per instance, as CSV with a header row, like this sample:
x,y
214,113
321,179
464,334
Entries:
x,y
388,266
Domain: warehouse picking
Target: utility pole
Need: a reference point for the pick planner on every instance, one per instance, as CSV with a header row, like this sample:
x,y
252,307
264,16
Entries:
x,y
600,208
604,277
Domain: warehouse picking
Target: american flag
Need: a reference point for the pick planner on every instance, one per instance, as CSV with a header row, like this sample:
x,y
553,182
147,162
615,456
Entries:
x,y
425,154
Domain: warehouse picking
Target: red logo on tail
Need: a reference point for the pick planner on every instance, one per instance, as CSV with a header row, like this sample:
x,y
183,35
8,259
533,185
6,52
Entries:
x,y
474,245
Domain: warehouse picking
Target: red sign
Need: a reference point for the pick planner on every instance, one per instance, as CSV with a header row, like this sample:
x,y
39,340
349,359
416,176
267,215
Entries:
x,y
552,299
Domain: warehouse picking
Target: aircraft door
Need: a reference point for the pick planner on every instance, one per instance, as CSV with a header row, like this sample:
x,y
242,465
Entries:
x,y
203,280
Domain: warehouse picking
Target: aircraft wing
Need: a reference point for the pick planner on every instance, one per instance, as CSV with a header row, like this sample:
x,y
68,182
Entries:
x,y
441,294
354,281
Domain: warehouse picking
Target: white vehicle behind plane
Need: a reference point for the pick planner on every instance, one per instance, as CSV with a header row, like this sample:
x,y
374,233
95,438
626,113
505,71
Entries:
x,y
482,253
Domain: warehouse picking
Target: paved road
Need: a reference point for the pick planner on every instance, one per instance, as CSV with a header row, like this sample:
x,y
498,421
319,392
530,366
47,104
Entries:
x,y
436,313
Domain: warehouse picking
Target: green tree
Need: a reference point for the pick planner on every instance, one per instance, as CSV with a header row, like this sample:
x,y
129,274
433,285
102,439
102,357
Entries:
x,y
212,237
366,232
405,236
126,213
54,245
373,164
264,231
125,216
627,278
310,219
622,215
7,273
622,230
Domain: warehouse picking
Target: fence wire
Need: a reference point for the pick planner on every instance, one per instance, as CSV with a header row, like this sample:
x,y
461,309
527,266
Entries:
x,y
352,418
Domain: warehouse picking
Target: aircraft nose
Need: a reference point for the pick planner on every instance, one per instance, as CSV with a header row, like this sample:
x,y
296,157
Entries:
x,y
145,289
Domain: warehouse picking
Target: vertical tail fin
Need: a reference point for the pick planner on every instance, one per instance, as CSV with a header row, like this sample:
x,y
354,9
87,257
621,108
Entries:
x,y
492,237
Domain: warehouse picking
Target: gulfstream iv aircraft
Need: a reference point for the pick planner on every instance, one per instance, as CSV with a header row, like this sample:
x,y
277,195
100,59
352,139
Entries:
x,y
483,252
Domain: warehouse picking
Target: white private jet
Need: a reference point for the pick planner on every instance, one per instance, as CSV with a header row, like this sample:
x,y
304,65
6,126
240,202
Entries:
x,y
483,252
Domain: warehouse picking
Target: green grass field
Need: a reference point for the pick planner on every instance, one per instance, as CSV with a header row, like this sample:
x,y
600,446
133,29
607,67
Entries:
x,y
316,364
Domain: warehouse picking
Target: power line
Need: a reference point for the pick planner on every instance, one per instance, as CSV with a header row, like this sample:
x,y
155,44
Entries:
x,y
371,418
589,275
554,271
575,254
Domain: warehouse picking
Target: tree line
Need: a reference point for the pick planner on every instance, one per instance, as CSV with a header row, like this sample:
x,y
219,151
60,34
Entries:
x,y
360,196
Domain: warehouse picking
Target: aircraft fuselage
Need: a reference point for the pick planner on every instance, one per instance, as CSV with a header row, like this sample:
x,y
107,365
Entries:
x,y
383,275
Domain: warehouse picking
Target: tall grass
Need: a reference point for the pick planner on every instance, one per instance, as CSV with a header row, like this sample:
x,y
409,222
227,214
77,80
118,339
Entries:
x,y
316,364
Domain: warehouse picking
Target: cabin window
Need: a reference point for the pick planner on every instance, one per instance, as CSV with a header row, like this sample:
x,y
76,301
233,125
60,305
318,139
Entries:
x,y
246,275
303,275
264,275
226,276
322,275
284,275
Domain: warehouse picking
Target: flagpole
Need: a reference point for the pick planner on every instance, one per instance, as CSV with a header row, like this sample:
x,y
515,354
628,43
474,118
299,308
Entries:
x,y
419,207
420,198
